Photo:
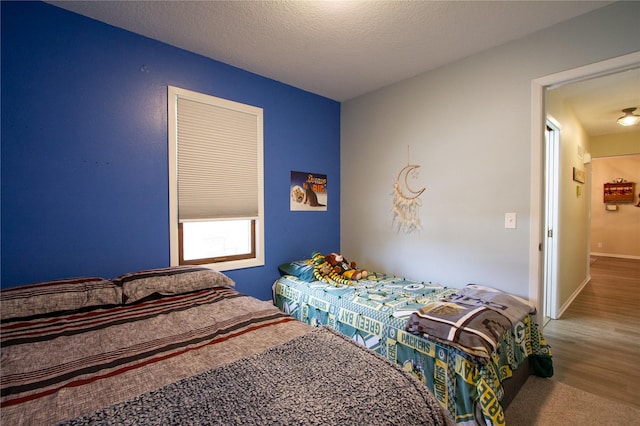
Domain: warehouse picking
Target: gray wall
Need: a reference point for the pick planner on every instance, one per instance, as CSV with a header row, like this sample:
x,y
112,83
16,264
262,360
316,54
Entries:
x,y
474,169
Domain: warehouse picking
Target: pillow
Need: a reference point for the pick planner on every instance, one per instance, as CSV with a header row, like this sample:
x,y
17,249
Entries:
x,y
62,295
298,268
168,281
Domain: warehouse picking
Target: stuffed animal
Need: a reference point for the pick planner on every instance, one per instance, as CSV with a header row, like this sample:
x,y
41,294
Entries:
x,y
344,268
321,268
323,271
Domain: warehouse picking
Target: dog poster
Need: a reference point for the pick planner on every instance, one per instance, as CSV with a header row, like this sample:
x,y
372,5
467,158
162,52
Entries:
x,y
308,191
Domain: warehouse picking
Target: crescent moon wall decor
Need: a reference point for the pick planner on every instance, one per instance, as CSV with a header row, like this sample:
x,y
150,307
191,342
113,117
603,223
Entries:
x,y
406,201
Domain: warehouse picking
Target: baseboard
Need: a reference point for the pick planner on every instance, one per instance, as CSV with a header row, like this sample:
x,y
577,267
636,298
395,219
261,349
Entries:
x,y
621,256
575,294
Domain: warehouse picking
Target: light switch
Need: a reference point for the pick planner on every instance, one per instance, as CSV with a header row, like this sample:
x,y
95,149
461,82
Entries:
x,y
510,220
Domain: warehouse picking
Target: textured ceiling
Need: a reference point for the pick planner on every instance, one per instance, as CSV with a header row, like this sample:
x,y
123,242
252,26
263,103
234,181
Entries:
x,y
337,49
344,49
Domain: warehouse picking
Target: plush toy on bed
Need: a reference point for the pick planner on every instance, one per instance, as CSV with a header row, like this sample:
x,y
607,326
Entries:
x,y
344,268
321,268
324,271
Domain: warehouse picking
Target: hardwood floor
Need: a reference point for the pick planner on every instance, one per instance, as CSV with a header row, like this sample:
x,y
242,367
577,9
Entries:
x,y
596,343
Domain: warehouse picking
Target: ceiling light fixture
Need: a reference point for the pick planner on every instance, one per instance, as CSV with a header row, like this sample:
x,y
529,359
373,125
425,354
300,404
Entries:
x,y
629,118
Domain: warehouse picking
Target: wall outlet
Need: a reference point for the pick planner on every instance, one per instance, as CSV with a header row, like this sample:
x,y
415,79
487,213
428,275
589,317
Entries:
x,y
510,220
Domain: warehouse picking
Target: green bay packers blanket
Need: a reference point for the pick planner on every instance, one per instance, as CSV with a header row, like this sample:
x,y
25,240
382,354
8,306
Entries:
x,y
375,313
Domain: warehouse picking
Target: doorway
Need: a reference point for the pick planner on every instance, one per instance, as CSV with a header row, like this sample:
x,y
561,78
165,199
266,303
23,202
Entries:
x,y
537,256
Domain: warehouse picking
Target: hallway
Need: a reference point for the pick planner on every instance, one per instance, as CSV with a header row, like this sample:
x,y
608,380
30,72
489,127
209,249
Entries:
x,y
596,342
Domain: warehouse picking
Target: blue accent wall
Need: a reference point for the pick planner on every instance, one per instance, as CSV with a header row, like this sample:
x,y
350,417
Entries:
x,y
84,150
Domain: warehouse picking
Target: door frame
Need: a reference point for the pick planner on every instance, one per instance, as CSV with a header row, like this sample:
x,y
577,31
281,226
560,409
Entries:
x,y
538,122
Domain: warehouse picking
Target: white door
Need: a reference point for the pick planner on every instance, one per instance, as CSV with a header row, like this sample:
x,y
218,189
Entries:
x,y
552,149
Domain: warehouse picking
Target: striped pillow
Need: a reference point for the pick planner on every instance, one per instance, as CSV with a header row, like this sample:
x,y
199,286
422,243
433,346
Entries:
x,y
169,281
61,295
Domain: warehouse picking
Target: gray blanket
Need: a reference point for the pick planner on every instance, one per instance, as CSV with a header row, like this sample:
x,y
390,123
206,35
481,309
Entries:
x,y
320,378
474,319
509,305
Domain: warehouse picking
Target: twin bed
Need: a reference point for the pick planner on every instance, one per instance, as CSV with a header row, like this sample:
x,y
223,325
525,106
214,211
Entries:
x,y
472,347
181,346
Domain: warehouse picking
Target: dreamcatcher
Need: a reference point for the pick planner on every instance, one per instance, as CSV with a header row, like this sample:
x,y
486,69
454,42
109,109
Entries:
x,y
406,206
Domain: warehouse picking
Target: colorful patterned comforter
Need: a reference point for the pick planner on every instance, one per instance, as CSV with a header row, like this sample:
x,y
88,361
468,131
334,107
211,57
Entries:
x,y
172,360
374,313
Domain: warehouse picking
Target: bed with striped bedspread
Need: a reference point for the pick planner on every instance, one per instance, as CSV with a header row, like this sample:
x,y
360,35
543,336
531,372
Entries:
x,y
58,367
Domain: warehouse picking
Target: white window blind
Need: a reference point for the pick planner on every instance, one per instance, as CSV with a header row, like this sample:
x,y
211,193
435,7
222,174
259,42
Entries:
x,y
216,181
217,154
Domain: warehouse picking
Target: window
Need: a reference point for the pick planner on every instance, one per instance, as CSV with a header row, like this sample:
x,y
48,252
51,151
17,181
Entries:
x,y
216,185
